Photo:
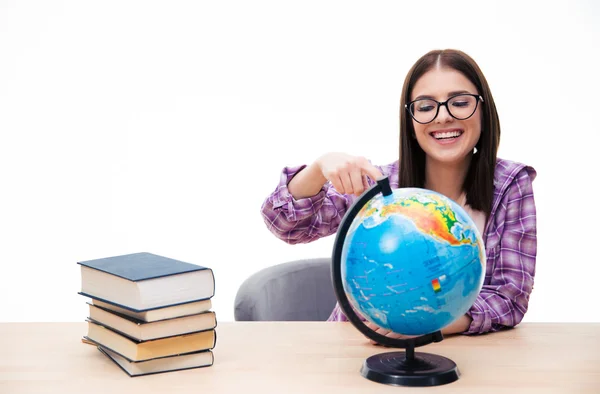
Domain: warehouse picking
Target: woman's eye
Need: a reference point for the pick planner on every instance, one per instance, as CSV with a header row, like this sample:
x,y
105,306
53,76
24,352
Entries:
x,y
425,108
460,103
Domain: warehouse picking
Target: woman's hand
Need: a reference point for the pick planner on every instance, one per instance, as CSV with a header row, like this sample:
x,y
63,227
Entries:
x,y
385,332
458,326
347,173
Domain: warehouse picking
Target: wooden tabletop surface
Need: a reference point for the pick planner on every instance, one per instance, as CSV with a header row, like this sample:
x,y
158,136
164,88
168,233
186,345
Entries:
x,y
304,357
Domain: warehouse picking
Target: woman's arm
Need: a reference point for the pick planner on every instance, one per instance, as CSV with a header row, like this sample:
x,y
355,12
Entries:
x,y
458,326
504,301
305,219
311,201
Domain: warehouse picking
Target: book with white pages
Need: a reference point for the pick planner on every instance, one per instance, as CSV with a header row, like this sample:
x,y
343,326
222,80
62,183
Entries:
x,y
160,365
169,312
144,281
144,331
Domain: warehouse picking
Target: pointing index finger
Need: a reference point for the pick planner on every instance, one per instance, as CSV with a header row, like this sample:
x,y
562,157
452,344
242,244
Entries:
x,y
372,171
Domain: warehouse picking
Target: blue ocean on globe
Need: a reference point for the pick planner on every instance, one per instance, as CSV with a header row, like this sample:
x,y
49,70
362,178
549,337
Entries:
x,y
413,261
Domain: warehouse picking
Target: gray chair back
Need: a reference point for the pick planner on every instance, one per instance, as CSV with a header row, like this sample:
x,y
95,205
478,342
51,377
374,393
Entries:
x,y
294,291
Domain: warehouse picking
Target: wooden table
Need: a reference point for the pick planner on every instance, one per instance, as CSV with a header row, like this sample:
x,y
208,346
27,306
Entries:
x,y
304,357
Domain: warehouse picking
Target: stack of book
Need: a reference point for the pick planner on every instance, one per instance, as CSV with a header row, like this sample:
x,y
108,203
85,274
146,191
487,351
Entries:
x,y
150,314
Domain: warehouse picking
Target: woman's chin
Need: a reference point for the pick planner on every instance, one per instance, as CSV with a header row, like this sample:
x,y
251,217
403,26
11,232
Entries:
x,y
449,156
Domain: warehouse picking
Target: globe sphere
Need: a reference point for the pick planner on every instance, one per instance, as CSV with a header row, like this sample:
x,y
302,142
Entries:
x,y
412,262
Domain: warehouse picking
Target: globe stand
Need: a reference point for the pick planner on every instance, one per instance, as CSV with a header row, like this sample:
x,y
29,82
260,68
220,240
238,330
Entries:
x,y
405,368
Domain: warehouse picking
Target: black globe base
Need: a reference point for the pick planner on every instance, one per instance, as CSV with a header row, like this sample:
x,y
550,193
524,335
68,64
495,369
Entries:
x,y
424,369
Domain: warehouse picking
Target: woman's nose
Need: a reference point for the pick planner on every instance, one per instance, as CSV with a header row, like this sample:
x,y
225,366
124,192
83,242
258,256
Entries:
x,y
443,115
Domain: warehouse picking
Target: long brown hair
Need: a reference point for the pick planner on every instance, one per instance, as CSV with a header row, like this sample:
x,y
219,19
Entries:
x,y
479,183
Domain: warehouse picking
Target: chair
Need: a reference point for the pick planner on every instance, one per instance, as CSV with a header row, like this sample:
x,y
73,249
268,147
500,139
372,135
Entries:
x,y
298,290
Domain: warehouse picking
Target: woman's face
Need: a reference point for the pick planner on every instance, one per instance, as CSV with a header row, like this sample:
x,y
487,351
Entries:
x,y
446,139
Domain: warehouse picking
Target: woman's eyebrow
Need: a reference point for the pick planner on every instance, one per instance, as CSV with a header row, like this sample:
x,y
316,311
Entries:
x,y
426,96
458,92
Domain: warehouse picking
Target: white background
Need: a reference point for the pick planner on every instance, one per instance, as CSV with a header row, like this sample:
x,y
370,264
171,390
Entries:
x,y
131,126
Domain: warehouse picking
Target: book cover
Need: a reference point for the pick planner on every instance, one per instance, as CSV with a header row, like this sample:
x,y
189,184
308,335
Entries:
x,y
168,364
144,331
136,351
141,282
157,314
141,266
116,305
141,321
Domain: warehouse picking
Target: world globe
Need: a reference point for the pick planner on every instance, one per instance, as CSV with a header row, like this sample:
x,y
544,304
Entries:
x,y
412,261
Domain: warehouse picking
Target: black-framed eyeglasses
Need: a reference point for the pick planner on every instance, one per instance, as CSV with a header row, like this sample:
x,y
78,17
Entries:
x,y
460,106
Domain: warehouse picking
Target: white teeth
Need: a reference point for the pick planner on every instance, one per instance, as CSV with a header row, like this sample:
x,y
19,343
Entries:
x,y
447,134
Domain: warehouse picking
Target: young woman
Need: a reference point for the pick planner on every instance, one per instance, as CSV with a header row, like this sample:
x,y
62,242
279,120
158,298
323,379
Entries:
x,y
449,137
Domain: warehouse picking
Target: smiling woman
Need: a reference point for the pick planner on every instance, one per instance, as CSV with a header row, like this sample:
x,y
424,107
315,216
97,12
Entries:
x,y
449,138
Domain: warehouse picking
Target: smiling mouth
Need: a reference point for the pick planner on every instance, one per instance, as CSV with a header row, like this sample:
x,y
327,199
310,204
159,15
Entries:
x,y
446,135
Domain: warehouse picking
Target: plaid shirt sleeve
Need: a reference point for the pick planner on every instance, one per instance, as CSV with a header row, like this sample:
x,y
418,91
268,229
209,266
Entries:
x,y
307,219
504,299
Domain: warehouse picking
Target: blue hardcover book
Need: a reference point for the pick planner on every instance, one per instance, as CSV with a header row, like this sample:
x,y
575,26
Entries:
x,y
145,281
136,351
160,365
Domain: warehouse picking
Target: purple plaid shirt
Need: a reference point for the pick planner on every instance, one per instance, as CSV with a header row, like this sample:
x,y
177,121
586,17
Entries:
x,y
510,237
